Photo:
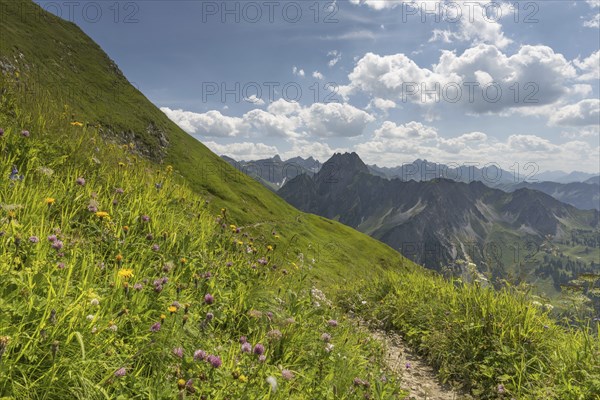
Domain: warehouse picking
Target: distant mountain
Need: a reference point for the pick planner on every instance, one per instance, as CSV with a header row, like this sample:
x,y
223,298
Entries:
x,y
274,172
423,170
583,195
593,180
564,177
437,221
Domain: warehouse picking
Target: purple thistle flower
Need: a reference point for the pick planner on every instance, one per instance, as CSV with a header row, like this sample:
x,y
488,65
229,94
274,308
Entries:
x,y
80,181
262,358
259,349
287,375
119,191
145,218
120,372
209,299
61,265
34,239
408,366
332,322
155,327
158,288
274,334
178,351
92,208
209,316
199,355
155,247
214,361
229,264
246,348
263,261
52,238
501,388
149,236
326,337
25,133
243,339
57,245
138,286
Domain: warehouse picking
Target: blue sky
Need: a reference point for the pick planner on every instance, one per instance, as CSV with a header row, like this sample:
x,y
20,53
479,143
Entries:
x,y
449,81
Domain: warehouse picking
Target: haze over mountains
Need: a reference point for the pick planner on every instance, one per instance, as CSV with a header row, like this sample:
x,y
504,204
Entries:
x,y
274,173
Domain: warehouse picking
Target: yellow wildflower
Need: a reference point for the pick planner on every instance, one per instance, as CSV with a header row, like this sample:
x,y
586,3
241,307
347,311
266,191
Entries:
x,y
172,309
125,273
76,123
119,257
269,248
102,214
243,378
169,169
162,317
49,200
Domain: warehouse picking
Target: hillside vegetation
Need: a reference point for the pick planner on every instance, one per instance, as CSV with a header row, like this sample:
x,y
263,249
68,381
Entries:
x,y
128,273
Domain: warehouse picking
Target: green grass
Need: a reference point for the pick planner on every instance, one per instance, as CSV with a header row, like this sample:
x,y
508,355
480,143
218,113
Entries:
x,y
73,317
480,339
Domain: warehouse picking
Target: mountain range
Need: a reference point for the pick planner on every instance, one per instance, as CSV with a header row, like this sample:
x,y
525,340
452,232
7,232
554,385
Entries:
x,y
438,221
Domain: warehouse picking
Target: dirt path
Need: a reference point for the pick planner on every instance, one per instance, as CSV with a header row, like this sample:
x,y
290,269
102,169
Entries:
x,y
419,378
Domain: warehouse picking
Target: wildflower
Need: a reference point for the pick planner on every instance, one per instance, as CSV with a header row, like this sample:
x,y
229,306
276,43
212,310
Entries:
x,y
199,355
76,123
332,322
246,348
49,200
501,388
138,286
145,218
52,238
326,337
162,317
4,340
243,339
112,326
243,378
209,299
119,191
259,349
119,257
149,236
272,381
262,358
209,316
155,247
55,347
155,327
102,214
189,385
328,347
90,317
125,229
120,372
95,302
80,181
125,273
183,260
269,248
407,365
263,261
181,384
169,169
34,239
287,375
92,207
57,245
14,174
61,266
274,334
25,133
178,351
214,361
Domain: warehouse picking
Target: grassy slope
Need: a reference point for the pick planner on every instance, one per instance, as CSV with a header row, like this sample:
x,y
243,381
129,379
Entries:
x,y
58,59
413,301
